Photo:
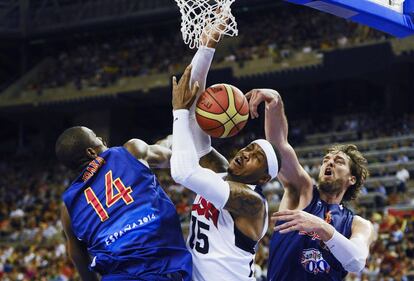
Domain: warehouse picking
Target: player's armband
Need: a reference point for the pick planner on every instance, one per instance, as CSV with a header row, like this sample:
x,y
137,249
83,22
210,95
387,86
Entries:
x,y
201,64
351,253
205,183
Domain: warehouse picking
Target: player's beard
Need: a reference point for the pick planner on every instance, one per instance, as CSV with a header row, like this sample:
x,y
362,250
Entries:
x,y
332,187
231,176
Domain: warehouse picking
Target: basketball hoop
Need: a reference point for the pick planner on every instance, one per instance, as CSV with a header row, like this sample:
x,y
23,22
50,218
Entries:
x,y
199,15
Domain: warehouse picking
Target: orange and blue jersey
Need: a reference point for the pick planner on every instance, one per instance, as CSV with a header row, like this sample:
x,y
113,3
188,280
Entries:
x,y
128,223
302,256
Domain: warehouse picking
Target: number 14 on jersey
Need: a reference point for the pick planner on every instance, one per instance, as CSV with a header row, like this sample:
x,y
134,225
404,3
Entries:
x,y
122,193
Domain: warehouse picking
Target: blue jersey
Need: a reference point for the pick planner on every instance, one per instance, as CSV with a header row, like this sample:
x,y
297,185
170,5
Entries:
x,y
302,256
129,225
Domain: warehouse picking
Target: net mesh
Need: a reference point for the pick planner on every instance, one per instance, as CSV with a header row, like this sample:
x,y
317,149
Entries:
x,y
204,15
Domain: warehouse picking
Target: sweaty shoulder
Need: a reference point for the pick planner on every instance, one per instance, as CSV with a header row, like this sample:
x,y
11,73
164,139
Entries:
x,y
364,229
138,148
360,222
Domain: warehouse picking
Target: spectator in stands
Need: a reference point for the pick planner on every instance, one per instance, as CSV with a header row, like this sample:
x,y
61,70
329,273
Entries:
x,y
402,176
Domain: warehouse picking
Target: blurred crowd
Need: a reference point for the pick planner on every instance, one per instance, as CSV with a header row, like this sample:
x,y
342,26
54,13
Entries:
x,y
99,61
280,33
31,242
32,246
360,126
392,255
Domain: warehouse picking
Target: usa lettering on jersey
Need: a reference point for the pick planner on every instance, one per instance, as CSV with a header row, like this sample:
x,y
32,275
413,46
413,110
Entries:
x,y
206,209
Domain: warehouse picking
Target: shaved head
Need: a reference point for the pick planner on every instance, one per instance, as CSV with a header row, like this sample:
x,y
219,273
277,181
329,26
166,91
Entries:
x,y
73,144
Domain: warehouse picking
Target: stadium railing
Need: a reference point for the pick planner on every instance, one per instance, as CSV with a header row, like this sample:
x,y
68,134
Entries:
x,y
363,145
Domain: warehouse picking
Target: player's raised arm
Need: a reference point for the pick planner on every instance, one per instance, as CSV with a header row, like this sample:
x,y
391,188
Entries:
x,y
202,60
201,63
296,181
155,156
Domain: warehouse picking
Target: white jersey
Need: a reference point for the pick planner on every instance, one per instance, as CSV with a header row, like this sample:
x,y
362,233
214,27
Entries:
x,y
219,250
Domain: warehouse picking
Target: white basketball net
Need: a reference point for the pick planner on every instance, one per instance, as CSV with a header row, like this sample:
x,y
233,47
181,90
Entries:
x,y
199,15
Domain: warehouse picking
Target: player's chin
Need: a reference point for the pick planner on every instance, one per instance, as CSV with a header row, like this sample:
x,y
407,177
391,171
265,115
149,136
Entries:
x,y
325,182
234,170
230,169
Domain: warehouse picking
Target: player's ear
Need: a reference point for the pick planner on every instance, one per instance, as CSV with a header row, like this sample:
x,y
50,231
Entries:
x,y
352,180
91,153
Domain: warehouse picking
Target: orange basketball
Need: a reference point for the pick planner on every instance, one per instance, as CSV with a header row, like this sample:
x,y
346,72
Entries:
x,y
222,111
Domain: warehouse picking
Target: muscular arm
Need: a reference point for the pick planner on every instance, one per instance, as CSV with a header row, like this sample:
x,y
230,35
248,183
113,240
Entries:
x,y
364,230
243,201
76,250
295,180
214,161
156,156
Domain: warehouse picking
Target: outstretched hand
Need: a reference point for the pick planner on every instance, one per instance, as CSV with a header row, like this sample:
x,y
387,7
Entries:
x,y
211,34
182,96
298,220
257,96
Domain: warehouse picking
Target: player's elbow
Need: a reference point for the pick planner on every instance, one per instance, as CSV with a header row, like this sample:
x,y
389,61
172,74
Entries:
x,y
355,265
178,175
138,148
181,169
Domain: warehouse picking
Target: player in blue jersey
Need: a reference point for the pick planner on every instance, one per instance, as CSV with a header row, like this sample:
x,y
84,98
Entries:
x,y
117,219
315,236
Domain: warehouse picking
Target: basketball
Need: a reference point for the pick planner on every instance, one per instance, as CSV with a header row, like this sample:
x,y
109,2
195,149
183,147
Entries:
x,y
222,111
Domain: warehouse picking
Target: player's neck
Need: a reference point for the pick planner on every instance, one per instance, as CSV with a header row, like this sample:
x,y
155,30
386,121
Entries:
x,y
234,178
228,177
334,198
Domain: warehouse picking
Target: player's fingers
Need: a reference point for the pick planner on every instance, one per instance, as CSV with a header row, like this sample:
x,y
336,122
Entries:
x,y
187,74
289,229
256,102
194,90
249,94
253,103
282,218
188,68
284,212
284,225
174,82
273,220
